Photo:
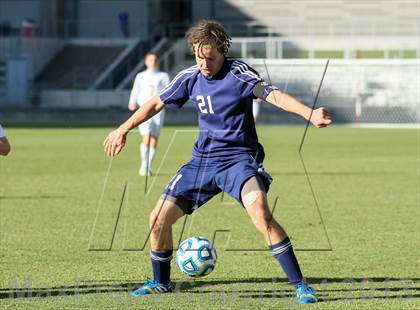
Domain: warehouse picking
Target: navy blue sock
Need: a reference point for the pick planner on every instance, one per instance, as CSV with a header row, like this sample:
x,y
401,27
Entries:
x,y
283,252
161,262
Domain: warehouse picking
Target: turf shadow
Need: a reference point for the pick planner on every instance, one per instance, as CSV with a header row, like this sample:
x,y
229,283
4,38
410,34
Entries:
x,y
197,286
311,280
58,291
336,173
330,299
35,197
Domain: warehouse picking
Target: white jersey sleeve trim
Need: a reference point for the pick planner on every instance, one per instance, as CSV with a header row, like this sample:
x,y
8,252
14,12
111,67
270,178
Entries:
x,y
243,69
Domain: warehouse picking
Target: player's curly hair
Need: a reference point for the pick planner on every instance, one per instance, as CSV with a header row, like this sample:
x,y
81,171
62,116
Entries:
x,y
207,33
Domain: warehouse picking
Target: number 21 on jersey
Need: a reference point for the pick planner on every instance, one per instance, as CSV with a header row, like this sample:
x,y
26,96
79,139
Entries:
x,y
202,105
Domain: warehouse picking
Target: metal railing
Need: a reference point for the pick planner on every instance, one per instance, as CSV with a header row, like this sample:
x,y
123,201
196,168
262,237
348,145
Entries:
x,y
255,29
379,91
109,76
128,80
179,55
367,91
108,28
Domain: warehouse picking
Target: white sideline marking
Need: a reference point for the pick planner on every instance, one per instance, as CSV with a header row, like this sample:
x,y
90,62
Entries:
x,y
387,126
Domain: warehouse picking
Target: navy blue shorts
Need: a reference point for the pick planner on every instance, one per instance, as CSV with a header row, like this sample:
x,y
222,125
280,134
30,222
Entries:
x,y
201,179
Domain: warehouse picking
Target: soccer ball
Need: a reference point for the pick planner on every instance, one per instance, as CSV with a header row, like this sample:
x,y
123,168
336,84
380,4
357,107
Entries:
x,y
196,256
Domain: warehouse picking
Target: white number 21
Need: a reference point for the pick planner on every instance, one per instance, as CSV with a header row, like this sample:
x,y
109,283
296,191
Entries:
x,y
202,104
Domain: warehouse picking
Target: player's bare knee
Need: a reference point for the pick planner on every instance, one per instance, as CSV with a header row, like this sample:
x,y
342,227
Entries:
x,y
164,214
153,221
157,224
253,194
262,218
256,205
252,197
153,141
146,140
157,218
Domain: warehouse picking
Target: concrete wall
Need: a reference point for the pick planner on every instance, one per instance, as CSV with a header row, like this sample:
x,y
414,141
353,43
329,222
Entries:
x,y
15,11
88,19
99,18
292,17
40,50
84,99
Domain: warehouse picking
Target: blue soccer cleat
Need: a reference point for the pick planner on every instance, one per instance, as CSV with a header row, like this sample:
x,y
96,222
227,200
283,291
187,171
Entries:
x,y
305,294
152,287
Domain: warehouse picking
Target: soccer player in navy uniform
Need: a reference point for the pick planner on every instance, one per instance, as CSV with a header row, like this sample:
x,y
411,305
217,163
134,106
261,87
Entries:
x,y
226,156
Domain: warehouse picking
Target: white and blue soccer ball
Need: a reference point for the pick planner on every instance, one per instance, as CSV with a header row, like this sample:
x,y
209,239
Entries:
x,y
196,257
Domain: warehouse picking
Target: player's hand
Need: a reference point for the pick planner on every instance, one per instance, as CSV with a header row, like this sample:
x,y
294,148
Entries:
x,y
132,106
114,142
321,117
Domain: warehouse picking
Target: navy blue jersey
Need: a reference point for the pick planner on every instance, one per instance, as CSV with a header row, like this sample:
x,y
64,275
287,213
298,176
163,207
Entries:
x,y
224,106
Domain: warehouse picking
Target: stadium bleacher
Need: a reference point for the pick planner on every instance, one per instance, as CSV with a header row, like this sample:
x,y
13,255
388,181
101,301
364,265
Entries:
x,y
85,75
75,66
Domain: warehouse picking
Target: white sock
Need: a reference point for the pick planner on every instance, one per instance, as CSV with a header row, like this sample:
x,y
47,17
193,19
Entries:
x,y
151,156
144,150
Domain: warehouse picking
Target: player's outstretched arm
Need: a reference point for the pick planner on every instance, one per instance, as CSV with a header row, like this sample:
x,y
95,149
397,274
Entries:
x,y
319,118
115,141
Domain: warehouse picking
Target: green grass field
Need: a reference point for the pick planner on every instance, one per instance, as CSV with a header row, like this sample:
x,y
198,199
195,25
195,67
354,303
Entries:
x,y
55,255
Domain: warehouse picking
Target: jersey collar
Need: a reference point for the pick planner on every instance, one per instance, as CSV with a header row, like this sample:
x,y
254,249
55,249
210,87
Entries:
x,y
221,73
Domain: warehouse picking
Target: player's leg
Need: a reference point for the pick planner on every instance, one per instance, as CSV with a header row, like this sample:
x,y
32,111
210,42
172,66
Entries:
x,y
144,153
151,132
145,132
166,212
181,196
152,143
157,123
254,199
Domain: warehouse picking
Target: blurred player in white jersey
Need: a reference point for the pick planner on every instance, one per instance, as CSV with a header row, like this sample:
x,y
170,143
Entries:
x,y
4,143
148,84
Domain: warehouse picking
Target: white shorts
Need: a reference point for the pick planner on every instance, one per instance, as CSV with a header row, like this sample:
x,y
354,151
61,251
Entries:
x,y
152,126
255,109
